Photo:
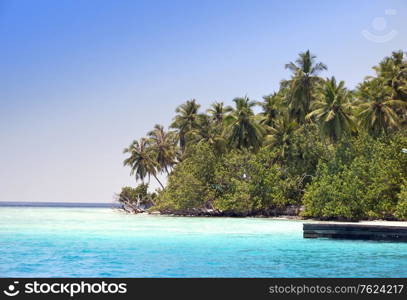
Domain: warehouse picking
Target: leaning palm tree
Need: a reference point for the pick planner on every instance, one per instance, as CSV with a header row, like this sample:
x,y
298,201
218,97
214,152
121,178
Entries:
x,y
242,129
377,110
302,85
218,111
185,120
141,161
332,110
163,146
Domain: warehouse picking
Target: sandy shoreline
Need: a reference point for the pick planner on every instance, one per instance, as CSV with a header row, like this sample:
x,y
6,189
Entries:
x,y
373,222
297,218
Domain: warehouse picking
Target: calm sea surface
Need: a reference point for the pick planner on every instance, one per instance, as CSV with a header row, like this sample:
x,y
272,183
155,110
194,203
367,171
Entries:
x,y
93,242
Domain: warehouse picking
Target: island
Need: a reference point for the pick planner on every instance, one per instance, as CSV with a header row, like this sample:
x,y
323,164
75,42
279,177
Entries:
x,y
312,149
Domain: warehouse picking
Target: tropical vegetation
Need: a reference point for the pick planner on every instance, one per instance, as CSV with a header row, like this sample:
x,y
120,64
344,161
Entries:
x,y
314,146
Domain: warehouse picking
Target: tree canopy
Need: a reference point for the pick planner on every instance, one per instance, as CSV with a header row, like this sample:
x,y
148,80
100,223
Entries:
x,y
314,144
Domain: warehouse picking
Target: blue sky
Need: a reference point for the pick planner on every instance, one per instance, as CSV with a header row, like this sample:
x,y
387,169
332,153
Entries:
x,y
79,80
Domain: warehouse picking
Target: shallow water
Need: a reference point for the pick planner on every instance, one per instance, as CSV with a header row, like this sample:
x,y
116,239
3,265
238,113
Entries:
x,y
102,242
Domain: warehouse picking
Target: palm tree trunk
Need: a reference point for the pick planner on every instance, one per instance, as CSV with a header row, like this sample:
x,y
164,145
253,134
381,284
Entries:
x,y
158,181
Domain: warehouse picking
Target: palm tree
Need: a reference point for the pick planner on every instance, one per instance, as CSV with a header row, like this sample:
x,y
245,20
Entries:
x,y
272,106
208,132
185,120
242,129
332,110
281,136
377,109
393,70
163,146
302,85
218,111
141,161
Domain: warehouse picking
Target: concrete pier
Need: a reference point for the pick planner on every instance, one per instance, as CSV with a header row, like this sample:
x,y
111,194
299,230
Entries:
x,y
357,231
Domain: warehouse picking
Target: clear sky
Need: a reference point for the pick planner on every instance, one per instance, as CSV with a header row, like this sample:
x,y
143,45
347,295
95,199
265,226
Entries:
x,y
79,80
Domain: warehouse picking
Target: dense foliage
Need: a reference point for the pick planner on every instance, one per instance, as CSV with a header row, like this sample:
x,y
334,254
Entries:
x,y
401,209
315,144
136,197
360,181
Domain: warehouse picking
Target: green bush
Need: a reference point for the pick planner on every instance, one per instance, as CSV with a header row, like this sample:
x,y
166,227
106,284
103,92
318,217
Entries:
x,y
249,183
334,196
135,195
189,185
239,182
360,182
401,209
359,178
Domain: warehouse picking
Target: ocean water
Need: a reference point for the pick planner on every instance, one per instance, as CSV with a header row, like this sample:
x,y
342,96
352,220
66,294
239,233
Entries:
x,y
102,242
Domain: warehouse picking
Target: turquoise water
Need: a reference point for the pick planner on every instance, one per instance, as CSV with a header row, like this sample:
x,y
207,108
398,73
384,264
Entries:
x,y
101,242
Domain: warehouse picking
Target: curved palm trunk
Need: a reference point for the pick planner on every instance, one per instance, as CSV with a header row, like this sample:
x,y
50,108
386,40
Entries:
x,y
158,181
